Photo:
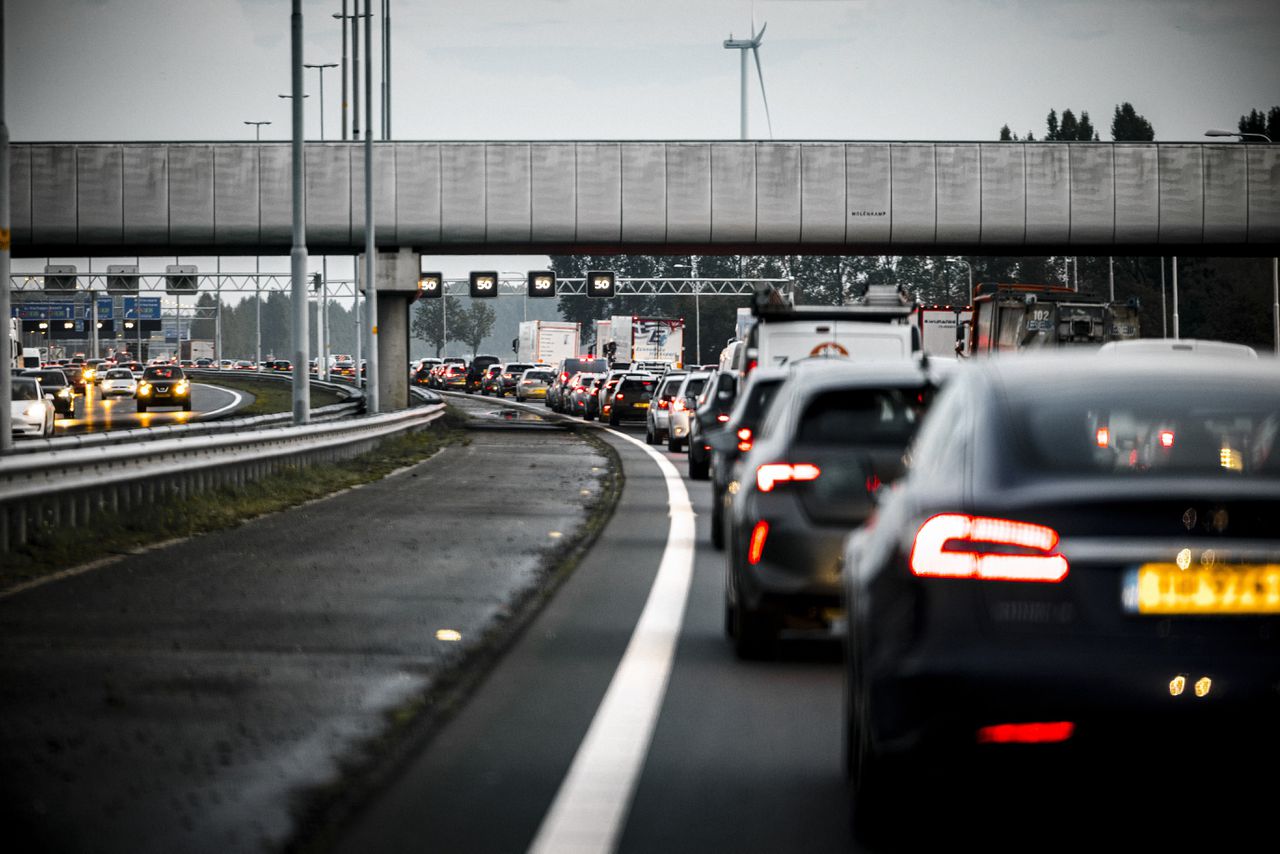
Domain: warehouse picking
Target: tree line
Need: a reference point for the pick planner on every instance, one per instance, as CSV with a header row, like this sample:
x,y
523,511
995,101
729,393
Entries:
x,y
1127,125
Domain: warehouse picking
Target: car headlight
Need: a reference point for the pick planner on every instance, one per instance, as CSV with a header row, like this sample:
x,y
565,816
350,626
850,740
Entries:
x,y
180,388
65,391
33,410
145,388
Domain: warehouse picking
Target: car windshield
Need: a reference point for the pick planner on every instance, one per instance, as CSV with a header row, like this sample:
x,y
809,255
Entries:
x,y
25,388
1223,429
119,374
162,372
49,377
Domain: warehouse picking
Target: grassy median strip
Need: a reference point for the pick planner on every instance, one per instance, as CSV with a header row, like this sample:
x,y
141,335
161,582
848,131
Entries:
x,y
270,396
53,549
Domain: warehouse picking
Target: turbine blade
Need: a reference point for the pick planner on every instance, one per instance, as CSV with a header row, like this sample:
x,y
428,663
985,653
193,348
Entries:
x,y
755,51
756,37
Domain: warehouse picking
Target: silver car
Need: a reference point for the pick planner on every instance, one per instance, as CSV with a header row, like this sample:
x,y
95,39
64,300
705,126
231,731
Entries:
x,y
119,382
682,406
659,420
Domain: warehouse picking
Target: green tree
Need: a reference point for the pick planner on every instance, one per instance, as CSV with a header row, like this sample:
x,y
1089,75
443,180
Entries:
x,y
472,324
1128,126
204,327
1258,122
429,316
1070,129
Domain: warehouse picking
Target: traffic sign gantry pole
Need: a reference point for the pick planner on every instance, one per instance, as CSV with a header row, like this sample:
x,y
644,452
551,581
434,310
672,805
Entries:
x,y
6,364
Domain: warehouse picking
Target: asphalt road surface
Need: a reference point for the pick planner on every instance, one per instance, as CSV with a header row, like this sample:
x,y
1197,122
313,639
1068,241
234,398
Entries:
x,y
95,414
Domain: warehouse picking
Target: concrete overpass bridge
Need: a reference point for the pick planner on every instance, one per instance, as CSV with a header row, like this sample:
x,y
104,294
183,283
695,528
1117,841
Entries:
x,y
669,197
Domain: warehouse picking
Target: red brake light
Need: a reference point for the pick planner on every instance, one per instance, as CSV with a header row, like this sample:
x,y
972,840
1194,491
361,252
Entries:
x,y
744,439
678,404
722,418
1103,437
756,547
662,404
1166,438
618,396
770,474
930,556
751,366
1034,733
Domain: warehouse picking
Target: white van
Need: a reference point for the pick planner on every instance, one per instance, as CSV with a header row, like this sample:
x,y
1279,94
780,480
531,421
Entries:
x,y
848,332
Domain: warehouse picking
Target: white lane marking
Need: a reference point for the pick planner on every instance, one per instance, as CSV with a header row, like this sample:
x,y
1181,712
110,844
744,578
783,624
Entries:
x,y
232,405
592,802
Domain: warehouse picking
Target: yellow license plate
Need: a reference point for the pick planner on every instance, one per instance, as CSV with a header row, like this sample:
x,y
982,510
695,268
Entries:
x,y
641,405
1163,588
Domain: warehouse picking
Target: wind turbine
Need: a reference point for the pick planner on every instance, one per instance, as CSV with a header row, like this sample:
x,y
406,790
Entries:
x,y
752,44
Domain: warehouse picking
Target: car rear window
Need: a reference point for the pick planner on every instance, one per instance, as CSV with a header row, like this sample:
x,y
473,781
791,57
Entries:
x,y
863,417
50,377
695,386
541,376
163,372
1224,428
630,384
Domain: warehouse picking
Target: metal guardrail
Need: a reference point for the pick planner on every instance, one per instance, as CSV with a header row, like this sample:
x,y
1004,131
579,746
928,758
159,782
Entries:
x,y
352,406
66,488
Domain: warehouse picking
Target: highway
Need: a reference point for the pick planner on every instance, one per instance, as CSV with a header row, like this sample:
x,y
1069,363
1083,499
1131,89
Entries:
x,y
96,414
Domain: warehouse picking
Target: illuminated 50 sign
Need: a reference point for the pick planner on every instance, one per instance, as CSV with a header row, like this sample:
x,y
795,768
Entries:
x,y
430,286
600,283
542,283
484,284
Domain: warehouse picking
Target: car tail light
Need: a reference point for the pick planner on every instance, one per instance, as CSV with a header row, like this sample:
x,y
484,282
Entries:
x,y
722,418
678,405
663,404
1102,437
744,439
770,474
618,396
751,366
1030,733
980,548
755,549
1166,438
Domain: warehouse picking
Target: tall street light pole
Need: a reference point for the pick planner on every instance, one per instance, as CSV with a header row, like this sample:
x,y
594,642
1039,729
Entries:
x,y
6,366
322,316
298,254
257,130
257,282
342,18
321,68
1275,260
370,245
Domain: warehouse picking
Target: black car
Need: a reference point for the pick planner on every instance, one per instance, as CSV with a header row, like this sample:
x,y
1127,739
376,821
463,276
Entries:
x,y
735,438
1083,556
54,381
711,413
163,385
630,398
833,437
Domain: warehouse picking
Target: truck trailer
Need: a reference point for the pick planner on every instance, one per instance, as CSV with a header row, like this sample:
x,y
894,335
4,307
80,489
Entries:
x,y
546,342
628,338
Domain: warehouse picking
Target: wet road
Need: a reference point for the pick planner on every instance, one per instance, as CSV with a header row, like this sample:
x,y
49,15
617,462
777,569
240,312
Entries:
x,y
95,414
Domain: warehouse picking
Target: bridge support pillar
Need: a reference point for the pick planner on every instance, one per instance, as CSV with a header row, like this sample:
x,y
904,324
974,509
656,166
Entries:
x,y
397,274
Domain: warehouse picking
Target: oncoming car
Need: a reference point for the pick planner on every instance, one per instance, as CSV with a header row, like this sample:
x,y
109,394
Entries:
x,y
119,382
164,385
1087,571
30,411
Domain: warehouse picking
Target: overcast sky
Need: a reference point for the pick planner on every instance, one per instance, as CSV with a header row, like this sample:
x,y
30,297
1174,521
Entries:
x,y
81,70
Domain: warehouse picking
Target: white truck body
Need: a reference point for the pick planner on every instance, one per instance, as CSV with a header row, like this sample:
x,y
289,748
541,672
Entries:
x,y
938,329
649,339
546,342
778,344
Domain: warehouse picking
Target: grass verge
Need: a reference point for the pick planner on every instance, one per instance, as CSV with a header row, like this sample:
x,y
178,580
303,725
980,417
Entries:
x,y
270,396
52,549
322,812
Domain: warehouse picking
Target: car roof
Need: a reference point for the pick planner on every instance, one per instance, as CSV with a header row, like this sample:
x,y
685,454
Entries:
x,y
1178,345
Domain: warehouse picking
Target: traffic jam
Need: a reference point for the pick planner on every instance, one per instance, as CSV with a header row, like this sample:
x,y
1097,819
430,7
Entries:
x,y
1036,537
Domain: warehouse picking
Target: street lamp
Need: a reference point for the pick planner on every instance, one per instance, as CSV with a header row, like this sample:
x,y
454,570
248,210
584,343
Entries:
x,y
257,130
1237,134
1275,261
970,268
321,67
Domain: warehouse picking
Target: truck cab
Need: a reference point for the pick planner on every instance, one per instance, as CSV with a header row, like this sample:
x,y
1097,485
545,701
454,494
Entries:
x,y
1009,318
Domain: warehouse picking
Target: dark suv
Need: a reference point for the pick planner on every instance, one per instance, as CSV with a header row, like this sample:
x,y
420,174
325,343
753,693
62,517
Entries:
x,y
164,385
476,371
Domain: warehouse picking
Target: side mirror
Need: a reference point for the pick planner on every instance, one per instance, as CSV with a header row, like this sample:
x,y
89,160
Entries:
x,y
48,396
